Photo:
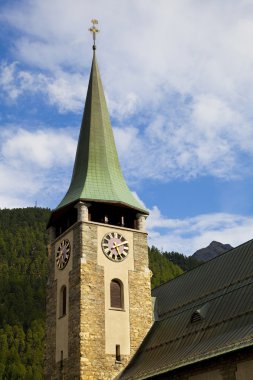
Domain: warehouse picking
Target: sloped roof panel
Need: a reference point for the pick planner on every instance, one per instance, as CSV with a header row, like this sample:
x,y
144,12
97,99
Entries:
x,y
206,279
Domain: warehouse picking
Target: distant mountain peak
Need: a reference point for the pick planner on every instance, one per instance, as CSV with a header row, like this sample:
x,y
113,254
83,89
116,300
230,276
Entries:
x,y
214,249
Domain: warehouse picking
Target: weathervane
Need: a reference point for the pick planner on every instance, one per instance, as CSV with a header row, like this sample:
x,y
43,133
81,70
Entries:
x,y
94,30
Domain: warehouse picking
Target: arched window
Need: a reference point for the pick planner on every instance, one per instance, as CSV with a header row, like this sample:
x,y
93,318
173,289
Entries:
x,y
63,301
116,292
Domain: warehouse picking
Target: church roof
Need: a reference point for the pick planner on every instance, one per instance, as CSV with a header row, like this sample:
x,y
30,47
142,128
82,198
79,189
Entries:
x,y
201,314
97,175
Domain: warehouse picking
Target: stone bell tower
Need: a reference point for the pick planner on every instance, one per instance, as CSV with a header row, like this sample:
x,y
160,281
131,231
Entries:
x,y
98,293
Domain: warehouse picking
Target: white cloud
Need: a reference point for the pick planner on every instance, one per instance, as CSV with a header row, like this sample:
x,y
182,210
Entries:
x,y
62,89
32,165
209,112
181,70
127,107
7,80
207,137
43,148
189,47
8,201
189,234
67,91
16,182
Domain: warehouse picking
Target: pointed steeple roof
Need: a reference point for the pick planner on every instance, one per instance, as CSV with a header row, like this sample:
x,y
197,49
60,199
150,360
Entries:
x,y
97,175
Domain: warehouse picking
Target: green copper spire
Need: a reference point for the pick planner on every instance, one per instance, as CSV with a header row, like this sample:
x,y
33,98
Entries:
x,y
97,175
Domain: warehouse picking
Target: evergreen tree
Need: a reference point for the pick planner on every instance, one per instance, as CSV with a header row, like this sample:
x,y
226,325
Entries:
x,y
184,262
23,265
163,270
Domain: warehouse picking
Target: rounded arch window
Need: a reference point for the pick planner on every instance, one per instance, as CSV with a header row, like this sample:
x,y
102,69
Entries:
x,y
117,294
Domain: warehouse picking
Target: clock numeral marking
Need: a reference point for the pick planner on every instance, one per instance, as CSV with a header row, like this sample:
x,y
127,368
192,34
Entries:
x,y
63,254
115,246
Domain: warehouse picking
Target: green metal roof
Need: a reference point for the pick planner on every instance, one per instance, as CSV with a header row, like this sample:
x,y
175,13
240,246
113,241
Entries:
x,y
220,290
97,175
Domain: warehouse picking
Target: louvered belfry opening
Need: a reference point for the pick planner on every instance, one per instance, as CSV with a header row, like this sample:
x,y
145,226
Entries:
x,y
116,292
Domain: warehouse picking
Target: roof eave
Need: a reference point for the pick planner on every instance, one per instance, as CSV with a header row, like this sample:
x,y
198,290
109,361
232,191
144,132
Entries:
x,y
191,361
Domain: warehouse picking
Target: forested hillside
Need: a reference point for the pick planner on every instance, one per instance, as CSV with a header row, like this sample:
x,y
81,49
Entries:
x,y
184,262
23,266
163,270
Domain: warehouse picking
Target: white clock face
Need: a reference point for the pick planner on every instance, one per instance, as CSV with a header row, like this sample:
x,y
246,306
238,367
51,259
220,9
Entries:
x,y
63,254
115,246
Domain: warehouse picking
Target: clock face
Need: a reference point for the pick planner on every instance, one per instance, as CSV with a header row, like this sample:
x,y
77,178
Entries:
x,y
63,254
115,246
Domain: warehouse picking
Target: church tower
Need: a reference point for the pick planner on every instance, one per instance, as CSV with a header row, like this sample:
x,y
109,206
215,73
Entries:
x,y
98,292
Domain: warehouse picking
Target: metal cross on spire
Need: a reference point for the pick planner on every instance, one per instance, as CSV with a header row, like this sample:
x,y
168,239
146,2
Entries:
x,y
94,31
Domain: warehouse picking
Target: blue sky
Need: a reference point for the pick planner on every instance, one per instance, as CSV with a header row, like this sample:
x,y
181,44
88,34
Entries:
x,y
178,77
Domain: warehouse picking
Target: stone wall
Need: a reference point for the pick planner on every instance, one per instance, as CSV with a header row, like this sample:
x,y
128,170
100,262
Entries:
x,y
72,369
87,359
95,364
92,334
140,292
69,368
